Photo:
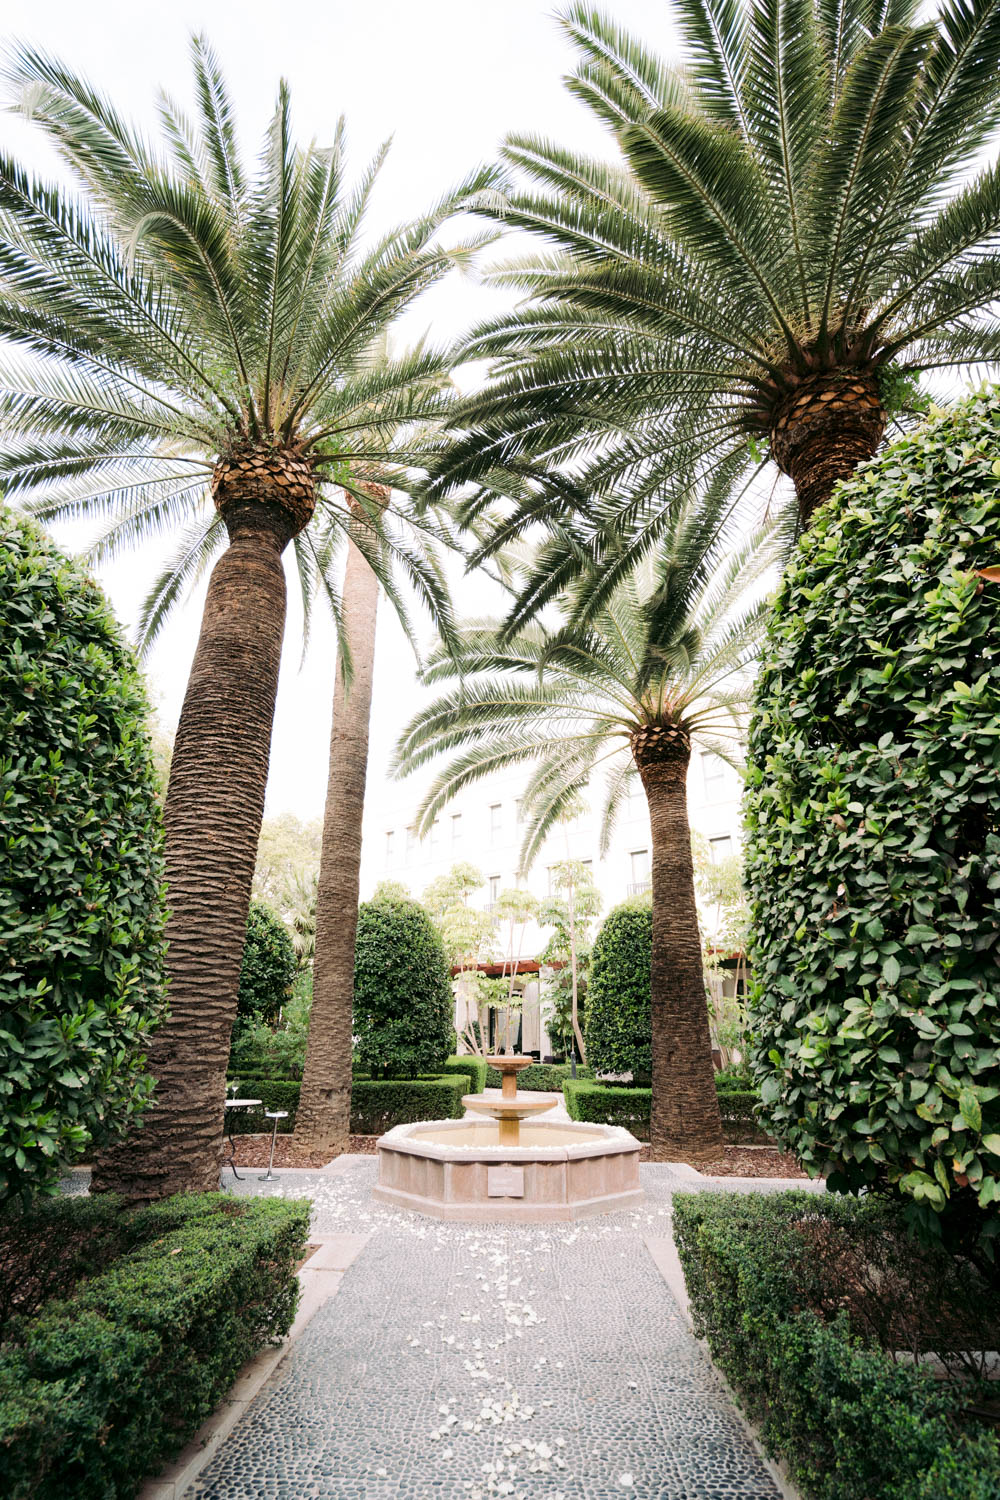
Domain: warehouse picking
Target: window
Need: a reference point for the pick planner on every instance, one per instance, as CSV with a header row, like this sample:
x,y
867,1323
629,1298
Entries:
x,y
721,847
635,796
436,834
390,843
713,773
411,840
639,862
518,810
588,864
456,829
494,889
496,821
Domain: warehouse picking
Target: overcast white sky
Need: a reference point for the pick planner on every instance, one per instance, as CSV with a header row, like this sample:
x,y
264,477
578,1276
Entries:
x,y
447,79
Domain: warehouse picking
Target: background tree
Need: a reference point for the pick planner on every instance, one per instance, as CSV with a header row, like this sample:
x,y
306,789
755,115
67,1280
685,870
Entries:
x,y
802,220
573,912
665,663
619,1025
403,1005
725,935
469,937
513,910
197,346
81,869
269,965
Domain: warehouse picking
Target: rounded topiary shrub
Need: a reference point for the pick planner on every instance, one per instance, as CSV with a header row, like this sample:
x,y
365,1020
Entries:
x,y
619,1028
81,894
874,830
403,1005
269,965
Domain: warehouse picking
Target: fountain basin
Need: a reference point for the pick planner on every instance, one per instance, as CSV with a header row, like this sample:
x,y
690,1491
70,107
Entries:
x,y
461,1170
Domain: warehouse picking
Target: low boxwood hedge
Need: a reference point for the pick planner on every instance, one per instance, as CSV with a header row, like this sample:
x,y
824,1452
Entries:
x,y
101,1387
850,1421
540,1078
619,1104
377,1104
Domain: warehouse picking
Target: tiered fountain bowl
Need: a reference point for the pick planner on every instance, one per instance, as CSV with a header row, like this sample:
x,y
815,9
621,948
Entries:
x,y
502,1168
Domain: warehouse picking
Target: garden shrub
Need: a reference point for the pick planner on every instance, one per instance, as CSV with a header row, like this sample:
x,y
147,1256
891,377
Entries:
x,y
540,1078
403,1005
81,873
850,1421
619,1027
102,1387
269,965
473,1067
377,1104
874,832
629,1106
275,1051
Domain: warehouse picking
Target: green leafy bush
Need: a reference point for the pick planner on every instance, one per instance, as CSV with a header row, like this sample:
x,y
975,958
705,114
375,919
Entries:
x,y
629,1106
540,1078
269,965
403,1005
850,1421
874,832
81,874
619,1028
102,1387
275,1051
473,1067
379,1104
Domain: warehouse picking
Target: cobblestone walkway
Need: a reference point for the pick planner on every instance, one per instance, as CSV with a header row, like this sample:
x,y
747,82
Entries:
x,y
462,1362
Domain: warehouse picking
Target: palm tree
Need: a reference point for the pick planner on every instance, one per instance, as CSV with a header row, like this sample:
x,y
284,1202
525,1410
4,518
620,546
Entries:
x,y
799,224
664,665
197,342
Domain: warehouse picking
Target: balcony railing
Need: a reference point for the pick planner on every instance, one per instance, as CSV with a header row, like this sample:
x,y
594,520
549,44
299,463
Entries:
x,y
639,886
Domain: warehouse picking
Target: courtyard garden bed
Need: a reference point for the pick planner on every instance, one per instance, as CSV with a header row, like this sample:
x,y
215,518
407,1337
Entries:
x,y
847,1342
122,1330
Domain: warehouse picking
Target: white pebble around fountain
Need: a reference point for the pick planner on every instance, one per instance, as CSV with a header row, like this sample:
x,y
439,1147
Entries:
x,y
498,1170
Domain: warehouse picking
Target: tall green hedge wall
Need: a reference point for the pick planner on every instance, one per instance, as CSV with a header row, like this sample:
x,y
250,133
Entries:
x,y
403,1005
81,874
874,830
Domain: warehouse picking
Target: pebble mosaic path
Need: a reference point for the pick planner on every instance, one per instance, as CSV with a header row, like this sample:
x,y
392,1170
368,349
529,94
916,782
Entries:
x,y
462,1362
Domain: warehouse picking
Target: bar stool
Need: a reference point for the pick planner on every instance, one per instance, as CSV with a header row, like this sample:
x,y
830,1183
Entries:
x,y
275,1115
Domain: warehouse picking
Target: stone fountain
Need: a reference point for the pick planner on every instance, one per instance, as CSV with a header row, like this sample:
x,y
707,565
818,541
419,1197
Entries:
x,y
501,1168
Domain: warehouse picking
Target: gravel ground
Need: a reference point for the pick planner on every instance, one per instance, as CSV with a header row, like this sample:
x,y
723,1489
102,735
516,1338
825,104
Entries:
x,y
464,1362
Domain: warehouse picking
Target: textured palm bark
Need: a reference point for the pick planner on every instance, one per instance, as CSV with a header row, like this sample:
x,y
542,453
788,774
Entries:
x,y
823,430
212,817
685,1123
324,1113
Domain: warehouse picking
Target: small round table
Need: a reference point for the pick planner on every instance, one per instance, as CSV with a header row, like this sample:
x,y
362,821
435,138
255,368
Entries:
x,y
235,1104
275,1115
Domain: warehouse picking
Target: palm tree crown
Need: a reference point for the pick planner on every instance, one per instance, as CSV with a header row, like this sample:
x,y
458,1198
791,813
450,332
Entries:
x,y
666,658
799,224
193,327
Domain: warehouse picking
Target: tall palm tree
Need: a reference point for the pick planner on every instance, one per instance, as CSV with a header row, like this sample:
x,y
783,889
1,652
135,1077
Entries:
x,y
664,665
197,342
799,222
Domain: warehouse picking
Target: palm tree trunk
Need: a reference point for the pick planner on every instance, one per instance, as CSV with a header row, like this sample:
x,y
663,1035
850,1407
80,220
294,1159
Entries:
x,y
212,818
685,1123
828,425
324,1114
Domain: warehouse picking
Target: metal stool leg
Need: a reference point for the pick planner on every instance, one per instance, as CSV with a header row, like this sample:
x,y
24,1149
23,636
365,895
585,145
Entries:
x,y
269,1176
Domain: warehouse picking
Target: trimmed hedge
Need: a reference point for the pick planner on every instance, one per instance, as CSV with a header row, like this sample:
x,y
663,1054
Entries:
x,y
850,1422
540,1078
619,1031
377,1104
404,1008
101,1388
473,1067
873,854
81,874
618,1104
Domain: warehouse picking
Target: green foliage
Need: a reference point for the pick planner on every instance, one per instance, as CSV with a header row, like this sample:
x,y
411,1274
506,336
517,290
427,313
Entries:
x,y
379,1104
629,1106
269,965
848,1419
274,1094
104,1385
275,1051
540,1078
474,1069
874,832
81,897
403,1005
619,1028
